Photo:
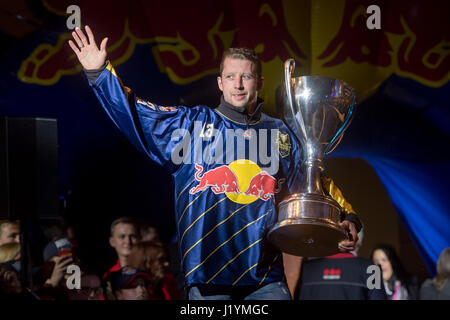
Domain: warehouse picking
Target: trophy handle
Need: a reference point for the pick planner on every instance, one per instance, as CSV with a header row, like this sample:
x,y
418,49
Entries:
x,y
289,66
338,137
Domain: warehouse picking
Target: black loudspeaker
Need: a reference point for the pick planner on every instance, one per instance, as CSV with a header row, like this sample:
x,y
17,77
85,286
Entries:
x,y
28,168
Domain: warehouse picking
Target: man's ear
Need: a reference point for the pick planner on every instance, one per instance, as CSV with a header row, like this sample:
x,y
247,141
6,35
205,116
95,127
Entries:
x,y
219,83
112,242
260,84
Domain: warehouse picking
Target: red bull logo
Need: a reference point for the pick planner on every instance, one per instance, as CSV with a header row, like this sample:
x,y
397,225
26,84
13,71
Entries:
x,y
187,42
221,179
238,175
263,186
413,39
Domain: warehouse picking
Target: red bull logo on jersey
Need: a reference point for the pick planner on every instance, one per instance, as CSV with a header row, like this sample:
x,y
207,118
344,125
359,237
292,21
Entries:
x,y
221,180
232,179
263,186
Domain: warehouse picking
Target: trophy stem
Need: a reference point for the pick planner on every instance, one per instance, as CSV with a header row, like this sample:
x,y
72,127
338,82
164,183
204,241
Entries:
x,y
313,182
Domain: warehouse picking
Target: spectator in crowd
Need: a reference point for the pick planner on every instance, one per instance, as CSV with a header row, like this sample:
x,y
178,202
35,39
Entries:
x,y
91,288
148,232
9,231
57,257
9,282
130,284
438,288
9,251
340,277
398,283
152,256
124,235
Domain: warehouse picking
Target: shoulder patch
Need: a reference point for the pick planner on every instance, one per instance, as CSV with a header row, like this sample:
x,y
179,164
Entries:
x,y
146,103
284,144
167,109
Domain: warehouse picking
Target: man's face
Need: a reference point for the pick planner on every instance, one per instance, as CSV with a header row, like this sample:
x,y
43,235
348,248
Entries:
x,y
239,83
123,239
90,289
9,233
137,290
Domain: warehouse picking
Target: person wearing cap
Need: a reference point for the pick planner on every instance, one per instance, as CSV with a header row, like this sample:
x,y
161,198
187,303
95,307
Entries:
x,y
60,253
130,284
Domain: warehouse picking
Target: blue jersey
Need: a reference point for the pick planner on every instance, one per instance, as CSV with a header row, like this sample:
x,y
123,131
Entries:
x,y
228,177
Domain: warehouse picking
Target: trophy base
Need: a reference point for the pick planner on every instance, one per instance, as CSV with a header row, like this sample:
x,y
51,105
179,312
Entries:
x,y
308,227
307,237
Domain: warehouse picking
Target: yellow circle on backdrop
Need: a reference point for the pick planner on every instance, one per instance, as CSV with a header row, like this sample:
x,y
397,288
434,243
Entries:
x,y
244,170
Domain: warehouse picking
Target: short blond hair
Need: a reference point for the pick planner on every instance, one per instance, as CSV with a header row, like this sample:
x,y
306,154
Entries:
x,y
124,220
242,54
9,251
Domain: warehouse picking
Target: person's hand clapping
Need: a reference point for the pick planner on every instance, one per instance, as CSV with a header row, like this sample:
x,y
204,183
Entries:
x,y
89,55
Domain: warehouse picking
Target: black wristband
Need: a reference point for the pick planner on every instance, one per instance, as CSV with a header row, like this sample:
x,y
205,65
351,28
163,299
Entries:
x,y
93,74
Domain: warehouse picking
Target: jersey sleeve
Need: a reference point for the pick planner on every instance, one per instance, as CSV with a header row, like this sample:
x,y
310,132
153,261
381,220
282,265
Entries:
x,y
147,126
347,209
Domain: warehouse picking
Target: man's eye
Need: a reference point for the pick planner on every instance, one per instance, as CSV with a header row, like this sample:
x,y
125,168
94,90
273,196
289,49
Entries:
x,y
229,77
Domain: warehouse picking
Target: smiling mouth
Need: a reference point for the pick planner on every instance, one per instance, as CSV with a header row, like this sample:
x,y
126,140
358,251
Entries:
x,y
239,95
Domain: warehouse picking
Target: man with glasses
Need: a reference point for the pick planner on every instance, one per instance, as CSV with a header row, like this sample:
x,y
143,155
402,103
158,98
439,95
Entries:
x,y
91,288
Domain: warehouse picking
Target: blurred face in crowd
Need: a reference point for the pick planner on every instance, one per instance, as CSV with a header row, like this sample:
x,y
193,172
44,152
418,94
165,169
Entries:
x,y
91,288
150,234
239,83
123,239
379,257
137,290
9,233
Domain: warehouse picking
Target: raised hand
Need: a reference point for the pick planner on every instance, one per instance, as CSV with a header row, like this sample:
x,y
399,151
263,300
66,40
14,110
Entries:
x,y
89,55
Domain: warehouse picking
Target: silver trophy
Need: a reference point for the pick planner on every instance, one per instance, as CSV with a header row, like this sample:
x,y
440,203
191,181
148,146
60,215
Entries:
x,y
318,110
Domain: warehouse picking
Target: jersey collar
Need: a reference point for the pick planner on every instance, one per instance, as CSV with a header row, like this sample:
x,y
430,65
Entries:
x,y
240,115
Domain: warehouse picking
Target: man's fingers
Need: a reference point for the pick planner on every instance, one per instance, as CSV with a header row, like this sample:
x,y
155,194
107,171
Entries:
x,y
90,35
347,245
77,39
103,44
64,263
83,38
74,47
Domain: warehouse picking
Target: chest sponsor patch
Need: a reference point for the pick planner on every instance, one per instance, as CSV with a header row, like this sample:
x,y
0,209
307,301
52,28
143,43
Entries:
x,y
284,144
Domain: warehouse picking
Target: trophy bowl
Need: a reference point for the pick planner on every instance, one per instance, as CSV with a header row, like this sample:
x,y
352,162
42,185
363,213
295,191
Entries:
x,y
317,110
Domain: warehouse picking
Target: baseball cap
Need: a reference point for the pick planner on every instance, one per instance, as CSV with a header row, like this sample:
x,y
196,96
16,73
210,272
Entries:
x,y
125,276
60,247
